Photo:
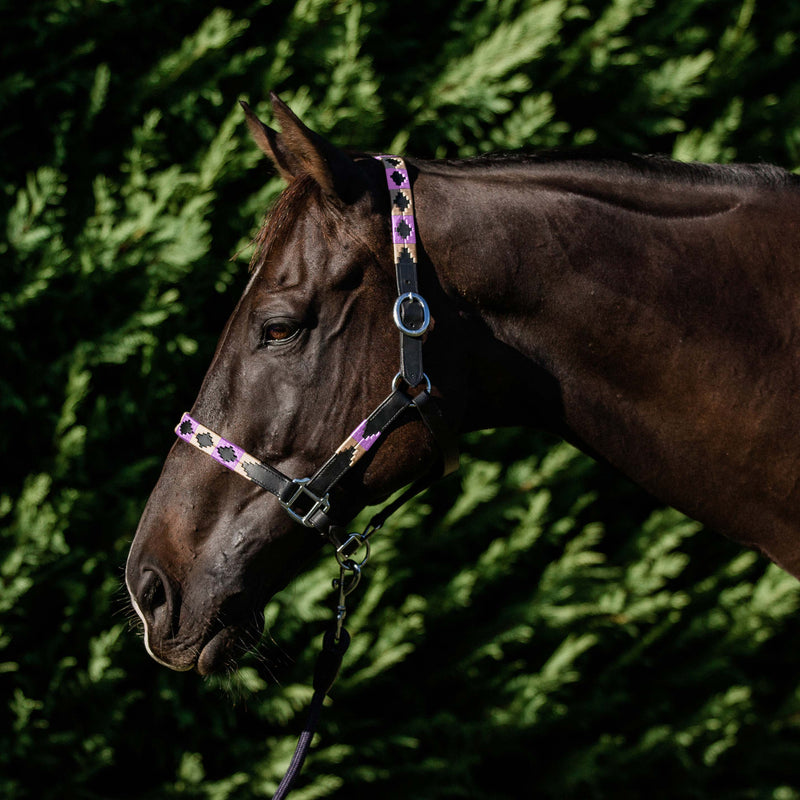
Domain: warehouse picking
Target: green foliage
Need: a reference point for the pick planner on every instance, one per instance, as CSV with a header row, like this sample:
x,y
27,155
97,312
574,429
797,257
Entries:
x,y
534,621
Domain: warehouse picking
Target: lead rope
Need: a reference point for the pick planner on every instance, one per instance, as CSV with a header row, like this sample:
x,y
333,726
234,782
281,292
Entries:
x,y
335,642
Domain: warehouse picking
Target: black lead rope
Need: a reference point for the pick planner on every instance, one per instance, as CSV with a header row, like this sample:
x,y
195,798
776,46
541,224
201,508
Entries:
x,y
334,645
327,668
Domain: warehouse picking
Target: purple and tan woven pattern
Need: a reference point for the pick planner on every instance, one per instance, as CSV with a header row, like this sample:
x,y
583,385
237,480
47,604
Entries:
x,y
404,234
358,442
221,450
234,458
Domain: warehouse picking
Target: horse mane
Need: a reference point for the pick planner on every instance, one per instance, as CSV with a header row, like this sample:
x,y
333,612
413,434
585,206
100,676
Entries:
x,y
591,161
609,163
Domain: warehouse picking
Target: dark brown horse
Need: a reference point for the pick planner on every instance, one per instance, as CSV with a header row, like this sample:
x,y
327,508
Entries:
x,y
645,310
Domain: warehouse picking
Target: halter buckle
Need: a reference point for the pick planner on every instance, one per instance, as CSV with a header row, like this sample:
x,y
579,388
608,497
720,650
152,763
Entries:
x,y
397,314
322,504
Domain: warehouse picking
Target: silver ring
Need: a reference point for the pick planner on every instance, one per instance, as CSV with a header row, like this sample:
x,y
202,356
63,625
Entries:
x,y
399,377
412,297
347,562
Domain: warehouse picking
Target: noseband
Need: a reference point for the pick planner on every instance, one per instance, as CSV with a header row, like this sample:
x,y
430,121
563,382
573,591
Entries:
x,y
307,500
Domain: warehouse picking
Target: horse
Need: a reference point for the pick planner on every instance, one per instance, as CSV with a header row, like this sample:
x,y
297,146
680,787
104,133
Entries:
x,y
642,309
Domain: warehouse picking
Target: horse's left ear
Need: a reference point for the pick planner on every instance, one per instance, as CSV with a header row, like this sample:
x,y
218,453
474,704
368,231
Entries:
x,y
297,149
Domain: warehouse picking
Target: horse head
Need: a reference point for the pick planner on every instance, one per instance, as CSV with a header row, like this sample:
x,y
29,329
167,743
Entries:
x,y
308,352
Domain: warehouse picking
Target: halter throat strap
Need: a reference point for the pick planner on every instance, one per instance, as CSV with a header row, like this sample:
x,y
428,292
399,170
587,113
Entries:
x,y
307,500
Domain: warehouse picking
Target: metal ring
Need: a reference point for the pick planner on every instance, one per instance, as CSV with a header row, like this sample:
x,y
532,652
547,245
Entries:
x,y
345,558
399,377
412,297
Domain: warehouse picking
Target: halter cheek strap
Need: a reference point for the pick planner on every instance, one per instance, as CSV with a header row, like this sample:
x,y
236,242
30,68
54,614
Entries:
x,y
307,500
411,314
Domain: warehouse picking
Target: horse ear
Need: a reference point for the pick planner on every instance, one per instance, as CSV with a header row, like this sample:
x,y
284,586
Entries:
x,y
298,149
270,143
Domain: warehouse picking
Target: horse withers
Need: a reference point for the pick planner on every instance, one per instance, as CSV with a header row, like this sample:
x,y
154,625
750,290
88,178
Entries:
x,y
645,310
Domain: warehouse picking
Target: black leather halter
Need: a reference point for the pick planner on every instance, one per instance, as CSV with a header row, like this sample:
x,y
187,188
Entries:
x,y
307,500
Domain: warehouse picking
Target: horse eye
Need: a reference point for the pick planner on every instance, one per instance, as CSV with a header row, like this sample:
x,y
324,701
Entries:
x,y
279,332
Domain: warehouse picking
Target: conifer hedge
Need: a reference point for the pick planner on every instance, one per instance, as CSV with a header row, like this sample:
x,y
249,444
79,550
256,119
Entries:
x,y
535,627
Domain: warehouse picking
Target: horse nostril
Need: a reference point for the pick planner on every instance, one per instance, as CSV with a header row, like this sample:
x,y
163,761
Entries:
x,y
157,602
154,599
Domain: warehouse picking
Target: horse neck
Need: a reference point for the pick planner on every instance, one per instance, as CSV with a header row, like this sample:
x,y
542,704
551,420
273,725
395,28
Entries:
x,y
658,312
580,283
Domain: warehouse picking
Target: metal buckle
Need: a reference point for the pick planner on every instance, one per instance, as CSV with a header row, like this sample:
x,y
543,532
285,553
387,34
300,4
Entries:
x,y
320,503
411,297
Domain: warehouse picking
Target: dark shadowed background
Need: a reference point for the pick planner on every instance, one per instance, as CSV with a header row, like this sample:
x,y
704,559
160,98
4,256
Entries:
x,y
534,627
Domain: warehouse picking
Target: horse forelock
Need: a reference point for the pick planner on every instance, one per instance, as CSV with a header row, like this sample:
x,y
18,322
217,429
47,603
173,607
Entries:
x,y
280,217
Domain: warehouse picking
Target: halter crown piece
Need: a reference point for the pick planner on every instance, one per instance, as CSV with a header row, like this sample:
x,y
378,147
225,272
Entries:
x,y
307,500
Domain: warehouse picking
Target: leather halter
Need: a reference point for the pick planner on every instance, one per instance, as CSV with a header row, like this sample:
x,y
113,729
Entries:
x,y
307,500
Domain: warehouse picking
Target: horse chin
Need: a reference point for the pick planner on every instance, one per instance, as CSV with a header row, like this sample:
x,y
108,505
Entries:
x,y
221,651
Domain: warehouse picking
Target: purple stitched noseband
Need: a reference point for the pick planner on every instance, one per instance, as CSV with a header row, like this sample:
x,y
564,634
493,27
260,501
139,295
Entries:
x,y
234,458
